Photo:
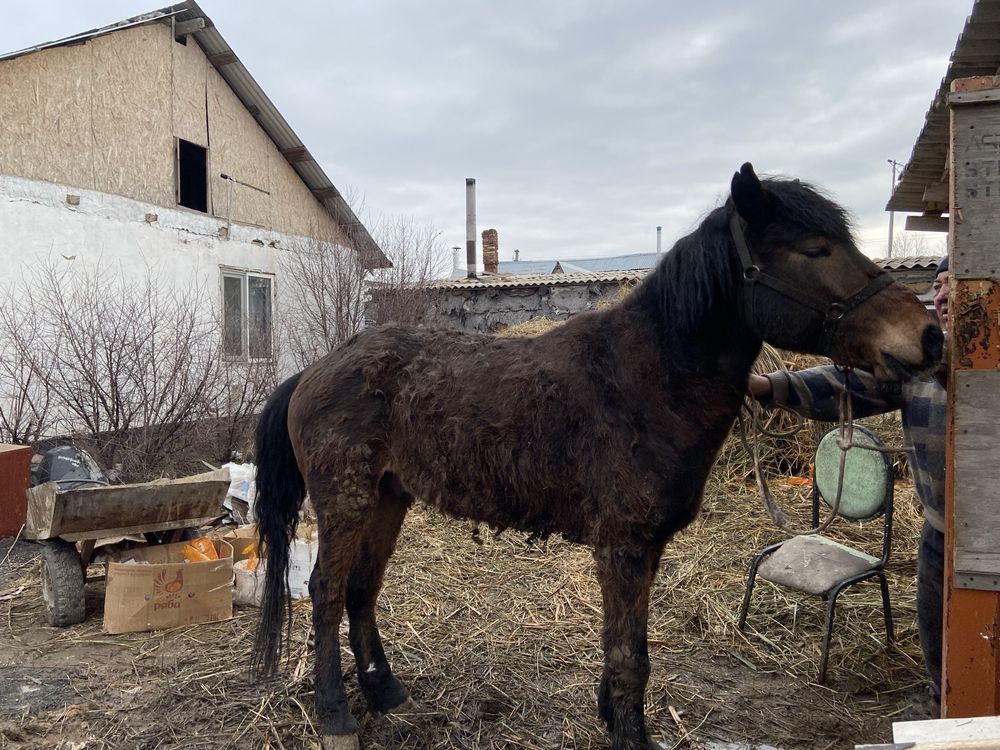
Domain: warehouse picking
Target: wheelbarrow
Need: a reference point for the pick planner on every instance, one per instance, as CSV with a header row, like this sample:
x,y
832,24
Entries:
x,y
60,518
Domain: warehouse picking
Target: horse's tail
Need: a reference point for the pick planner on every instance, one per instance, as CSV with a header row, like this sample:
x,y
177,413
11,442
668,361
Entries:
x,y
280,492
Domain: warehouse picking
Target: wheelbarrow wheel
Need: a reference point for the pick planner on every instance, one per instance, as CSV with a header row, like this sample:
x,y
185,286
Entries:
x,y
62,583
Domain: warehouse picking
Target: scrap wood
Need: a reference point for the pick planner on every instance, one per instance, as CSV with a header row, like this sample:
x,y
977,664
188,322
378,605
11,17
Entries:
x,y
680,724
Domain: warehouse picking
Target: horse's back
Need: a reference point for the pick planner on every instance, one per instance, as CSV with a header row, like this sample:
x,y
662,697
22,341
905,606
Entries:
x,y
352,392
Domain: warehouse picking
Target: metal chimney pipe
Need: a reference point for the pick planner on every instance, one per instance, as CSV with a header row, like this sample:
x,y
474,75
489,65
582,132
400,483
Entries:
x,y
470,227
659,235
456,259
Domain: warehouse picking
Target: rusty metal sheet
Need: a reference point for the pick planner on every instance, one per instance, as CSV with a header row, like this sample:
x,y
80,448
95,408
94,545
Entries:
x,y
976,314
972,687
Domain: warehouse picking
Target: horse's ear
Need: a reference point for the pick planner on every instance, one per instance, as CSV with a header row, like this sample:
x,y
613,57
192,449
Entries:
x,y
749,197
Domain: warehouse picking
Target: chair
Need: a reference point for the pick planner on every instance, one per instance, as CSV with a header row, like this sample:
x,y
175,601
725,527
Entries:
x,y
815,564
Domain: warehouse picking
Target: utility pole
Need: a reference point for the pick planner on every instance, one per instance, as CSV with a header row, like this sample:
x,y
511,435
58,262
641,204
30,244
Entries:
x,y
892,187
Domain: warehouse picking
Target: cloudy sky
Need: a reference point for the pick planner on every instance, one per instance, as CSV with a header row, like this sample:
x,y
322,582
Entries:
x,y
585,123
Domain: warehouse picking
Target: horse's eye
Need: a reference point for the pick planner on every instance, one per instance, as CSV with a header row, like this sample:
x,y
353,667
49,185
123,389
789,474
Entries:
x,y
818,251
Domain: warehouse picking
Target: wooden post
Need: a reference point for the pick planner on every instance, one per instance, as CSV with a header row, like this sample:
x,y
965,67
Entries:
x,y
971,679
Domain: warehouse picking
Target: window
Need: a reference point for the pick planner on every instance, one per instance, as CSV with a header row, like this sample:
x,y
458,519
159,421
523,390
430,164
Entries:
x,y
192,176
246,315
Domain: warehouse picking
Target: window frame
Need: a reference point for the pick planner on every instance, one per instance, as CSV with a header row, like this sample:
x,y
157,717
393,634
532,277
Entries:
x,y
244,275
178,181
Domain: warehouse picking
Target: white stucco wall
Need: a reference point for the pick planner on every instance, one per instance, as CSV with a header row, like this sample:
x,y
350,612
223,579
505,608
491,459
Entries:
x,y
38,224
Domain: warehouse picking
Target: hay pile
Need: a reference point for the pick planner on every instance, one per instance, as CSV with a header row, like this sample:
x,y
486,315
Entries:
x,y
501,640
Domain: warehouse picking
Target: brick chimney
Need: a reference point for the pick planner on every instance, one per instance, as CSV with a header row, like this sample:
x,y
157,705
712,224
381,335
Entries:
x,y
491,251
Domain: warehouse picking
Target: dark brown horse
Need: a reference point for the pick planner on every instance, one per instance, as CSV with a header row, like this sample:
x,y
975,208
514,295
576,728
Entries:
x,y
602,430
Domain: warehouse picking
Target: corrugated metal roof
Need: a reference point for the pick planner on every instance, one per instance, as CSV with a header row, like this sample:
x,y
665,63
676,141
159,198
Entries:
x,y
976,53
908,264
510,281
632,262
225,61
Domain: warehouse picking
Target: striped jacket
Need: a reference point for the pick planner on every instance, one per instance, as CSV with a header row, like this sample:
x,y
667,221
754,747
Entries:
x,y
814,393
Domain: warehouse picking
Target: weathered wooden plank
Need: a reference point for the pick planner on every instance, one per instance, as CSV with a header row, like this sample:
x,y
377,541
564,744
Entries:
x,y
98,512
183,28
927,223
947,730
975,97
976,167
977,473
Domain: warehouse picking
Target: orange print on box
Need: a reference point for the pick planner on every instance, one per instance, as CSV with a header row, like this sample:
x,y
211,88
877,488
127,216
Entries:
x,y
161,584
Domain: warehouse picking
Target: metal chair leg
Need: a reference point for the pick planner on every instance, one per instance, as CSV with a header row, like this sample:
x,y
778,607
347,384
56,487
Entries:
x,y
830,606
751,580
886,609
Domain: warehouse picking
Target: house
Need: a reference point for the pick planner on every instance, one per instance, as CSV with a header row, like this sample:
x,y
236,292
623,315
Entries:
x,y
147,146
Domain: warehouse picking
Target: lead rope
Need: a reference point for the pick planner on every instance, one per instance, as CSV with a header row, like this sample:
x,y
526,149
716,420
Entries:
x,y
845,441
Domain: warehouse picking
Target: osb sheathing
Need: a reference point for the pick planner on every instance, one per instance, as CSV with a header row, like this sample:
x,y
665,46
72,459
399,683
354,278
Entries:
x,y
189,86
45,123
241,150
105,115
133,148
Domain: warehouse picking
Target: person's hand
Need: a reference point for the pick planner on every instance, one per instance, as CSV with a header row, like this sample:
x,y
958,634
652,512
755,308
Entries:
x,y
759,386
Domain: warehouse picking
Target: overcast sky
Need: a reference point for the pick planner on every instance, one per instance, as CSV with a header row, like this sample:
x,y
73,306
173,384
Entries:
x,y
585,123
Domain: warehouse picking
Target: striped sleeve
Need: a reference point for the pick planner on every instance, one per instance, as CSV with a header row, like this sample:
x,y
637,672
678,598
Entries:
x,y
815,393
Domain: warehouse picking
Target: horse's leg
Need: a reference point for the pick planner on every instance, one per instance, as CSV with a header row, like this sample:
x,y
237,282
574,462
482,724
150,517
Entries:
x,y
625,574
342,517
380,686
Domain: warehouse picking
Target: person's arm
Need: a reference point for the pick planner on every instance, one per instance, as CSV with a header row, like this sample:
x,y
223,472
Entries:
x,y
815,393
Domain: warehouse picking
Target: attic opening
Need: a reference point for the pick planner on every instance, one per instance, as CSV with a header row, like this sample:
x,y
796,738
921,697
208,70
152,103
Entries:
x,y
192,176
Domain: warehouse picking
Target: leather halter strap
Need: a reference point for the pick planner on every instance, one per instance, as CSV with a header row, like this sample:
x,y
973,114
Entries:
x,y
831,314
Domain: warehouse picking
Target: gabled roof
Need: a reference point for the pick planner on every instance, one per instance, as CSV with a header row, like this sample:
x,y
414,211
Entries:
x,y
977,53
200,27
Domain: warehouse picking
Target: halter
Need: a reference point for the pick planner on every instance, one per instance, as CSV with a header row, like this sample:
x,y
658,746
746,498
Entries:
x,y
831,314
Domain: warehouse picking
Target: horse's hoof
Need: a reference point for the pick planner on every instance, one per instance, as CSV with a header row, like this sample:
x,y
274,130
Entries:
x,y
341,742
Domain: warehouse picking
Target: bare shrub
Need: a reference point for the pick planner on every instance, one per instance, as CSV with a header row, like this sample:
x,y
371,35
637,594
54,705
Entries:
x,y
133,366
323,301
419,256
25,400
329,295
907,244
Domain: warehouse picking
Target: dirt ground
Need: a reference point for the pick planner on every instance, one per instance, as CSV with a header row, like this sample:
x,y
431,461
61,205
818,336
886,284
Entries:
x,y
500,639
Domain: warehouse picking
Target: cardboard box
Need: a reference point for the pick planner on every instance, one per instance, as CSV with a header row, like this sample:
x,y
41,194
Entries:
x,y
240,538
160,589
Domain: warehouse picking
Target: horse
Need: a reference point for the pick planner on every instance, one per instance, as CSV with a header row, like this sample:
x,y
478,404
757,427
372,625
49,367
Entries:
x,y
602,430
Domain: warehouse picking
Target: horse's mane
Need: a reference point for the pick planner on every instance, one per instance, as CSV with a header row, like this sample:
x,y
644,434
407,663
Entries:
x,y
701,271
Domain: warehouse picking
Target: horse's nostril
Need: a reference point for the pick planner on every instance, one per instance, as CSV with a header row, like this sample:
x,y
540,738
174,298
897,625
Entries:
x,y
933,343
